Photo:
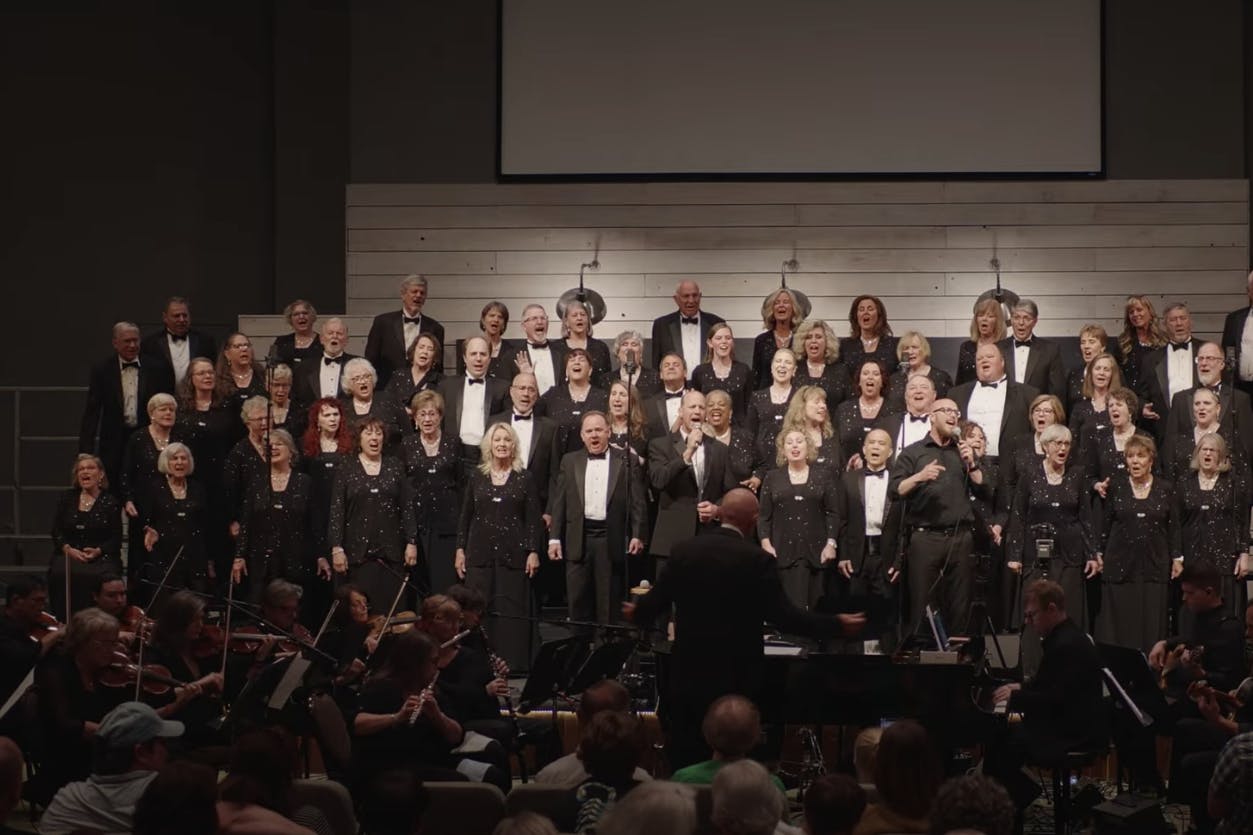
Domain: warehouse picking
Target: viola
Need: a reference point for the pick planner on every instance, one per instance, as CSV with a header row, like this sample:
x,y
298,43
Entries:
x,y
244,641
45,623
133,619
154,678
396,624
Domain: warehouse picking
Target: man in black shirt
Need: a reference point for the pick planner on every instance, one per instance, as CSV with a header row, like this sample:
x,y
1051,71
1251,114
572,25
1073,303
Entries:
x,y
24,600
1207,627
931,477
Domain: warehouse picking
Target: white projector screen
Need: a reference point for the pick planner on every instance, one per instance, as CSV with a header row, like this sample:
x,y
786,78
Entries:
x,y
640,87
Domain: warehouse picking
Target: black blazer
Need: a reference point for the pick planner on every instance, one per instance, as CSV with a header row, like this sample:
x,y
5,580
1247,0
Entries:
x,y
1235,417
674,481
1233,331
1045,371
1063,705
656,424
543,457
1154,388
495,400
154,352
852,538
306,386
1015,420
668,339
509,366
385,346
627,507
103,430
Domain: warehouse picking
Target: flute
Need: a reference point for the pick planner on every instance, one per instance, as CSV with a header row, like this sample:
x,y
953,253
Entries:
x,y
429,690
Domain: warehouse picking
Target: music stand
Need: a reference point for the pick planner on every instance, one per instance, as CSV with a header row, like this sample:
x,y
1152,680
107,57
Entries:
x,y
1132,687
555,666
606,661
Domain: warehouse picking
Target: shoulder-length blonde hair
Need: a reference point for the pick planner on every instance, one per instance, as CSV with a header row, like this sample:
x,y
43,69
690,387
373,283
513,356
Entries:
x,y
1224,455
794,417
923,345
988,306
767,309
1127,339
485,448
805,328
780,458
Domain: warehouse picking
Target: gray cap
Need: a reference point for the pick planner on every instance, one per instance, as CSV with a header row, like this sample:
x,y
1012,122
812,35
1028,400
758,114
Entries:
x,y
134,723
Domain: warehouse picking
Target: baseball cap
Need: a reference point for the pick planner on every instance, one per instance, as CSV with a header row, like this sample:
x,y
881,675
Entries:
x,y
134,723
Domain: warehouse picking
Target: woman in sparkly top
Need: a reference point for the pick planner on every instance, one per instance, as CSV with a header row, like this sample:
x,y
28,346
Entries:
x,y
913,353
1101,445
626,425
871,335
808,412
799,517
176,523
820,361
1100,377
420,375
373,530
766,407
746,463
566,402
139,459
86,535
432,465
499,539
855,417
781,312
1213,498
1141,551
721,370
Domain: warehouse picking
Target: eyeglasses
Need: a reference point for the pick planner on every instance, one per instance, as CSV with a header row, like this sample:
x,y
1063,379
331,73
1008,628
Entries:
x,y
947,410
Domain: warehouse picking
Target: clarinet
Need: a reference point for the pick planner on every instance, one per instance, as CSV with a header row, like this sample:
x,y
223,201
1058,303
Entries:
x,y
500,669
428,692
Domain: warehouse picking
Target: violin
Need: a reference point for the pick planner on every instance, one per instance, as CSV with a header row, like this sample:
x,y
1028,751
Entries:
x,y
154,678
134,619
45,624
244,641
400,622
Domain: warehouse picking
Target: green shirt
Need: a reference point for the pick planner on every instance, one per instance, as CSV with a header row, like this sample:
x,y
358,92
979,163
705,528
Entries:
x,y
702,774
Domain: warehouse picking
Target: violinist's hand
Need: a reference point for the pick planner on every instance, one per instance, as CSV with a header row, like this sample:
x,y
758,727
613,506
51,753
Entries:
x,y
459,563
498,688
371,644
339,561
1157,655
131,510
532,564
239,569
324,568
50,639
183,695
1015,566
1101,488
211,683
356,668
150,538
852,623
411,555
1003,692
1207,705
845,567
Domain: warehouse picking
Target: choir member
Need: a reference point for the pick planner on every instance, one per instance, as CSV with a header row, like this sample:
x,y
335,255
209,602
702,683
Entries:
x,y
990,521
139,461
538,436
197,704
689,471
86,536
999,405
781,313
117,390
987,327
322,378
1102,445
913,352
576,329
208,429
1099,377
238,376
799,519
362,401
1029,359
871,334
767,406
1237,415
493,320
469,400
1140,551
302,344
661,410
933,474
626,422
170,351
1093,341
275,532
433,464
373,528
869,552
808,412
175,526
868,410
684,331
747,465
1213,499
599,515
499,537
628,347
721,370
284,414
1238,339
1050,502
1168,370
419,373
246,459
914,422
820,361
543,357
1206,418
1025,452
393,332
1142,334
326,445
566,403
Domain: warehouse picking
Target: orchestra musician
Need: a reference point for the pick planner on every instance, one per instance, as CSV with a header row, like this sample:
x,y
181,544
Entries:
x,y
174,641
25,599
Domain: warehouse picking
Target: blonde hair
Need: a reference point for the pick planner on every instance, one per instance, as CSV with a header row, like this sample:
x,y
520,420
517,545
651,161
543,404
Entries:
x,y
1115,380
1059,411
485,448
923,345
78,462
1128,338
1224,454
780,441
832,353
988,306
767,309
794,417
161,399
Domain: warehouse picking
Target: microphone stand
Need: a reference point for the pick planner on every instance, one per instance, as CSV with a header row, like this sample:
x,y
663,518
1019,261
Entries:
x,y
630,366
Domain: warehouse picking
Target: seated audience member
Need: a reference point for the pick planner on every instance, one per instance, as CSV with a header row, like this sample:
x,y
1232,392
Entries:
x,y
180,800
610,752
260,774
744,800
907,774
130,749
657,808
866,756
732,728
834,803
1231,787
525,823
398,801
605,695
972,803
11,765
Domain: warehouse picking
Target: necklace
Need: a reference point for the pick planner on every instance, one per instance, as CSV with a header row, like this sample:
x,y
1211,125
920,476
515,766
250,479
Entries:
x,y
798,476
279,480
1052,477
371,467
499,478
1141,491
86,501
1207,482
179,491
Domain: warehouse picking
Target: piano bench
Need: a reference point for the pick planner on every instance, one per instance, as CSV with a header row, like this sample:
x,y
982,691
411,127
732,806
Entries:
x,y
1071,765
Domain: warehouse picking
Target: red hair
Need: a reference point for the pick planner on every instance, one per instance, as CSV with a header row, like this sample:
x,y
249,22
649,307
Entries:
x,y
311,443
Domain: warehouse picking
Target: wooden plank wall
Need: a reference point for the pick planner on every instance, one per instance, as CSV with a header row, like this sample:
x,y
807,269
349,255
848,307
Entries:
x,y
1077,248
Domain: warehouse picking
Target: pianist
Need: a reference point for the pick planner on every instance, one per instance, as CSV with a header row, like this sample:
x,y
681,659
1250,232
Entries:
x,y
1061,706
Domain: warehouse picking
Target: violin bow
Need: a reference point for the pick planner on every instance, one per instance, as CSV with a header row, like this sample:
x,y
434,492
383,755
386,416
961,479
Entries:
x,y
139,657
230,605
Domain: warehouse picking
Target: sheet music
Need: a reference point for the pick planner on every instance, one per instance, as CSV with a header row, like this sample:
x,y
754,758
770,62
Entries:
x,y
1141,717
289,682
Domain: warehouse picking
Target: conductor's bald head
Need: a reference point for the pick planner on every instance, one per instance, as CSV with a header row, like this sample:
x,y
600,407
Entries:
x,y
739,510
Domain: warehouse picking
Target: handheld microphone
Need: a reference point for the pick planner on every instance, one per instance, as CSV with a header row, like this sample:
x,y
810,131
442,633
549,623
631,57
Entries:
x,y
903,367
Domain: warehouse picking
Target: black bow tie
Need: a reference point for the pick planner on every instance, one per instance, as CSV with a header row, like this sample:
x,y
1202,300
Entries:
x,y
475,382
597,456
990,385
132,364
876,473
690,320
176,338
1180,346
670,395
333,360
411,320
538,345
1022,343
918,418
520,417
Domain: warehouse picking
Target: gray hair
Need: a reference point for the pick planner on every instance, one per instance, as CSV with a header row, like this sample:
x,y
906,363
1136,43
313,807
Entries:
x,y
295,303
78,462
253,405
1054,433
624,336
414,280
1176,306
745,800
657,807
355,366
282,373
1224,456
1026,305
161,399
120,328
171,449
282,436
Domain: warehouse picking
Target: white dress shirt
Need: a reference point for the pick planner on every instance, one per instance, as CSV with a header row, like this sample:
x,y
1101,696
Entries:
x,y
876,501
130,394
542,363
1021,354
412,329
987,408
472,417
1179,367
596,489
672,409
329,377
692,347
1246,349
524,430
912,430
180,355
698,461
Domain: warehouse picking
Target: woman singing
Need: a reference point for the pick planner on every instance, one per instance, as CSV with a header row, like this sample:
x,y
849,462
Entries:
x,y
746,463
1100,377
362,402
721,370
1092,343
86,536
857,416
1214,513
576,328
433,466
767,406
626,426
293,349
420,375
284,414
808,412
987,327
820,361
566,402
499,539
780,314
799,517
176,525
1141,333
629,345
913,353
871,334
238,378
139,460
1102,446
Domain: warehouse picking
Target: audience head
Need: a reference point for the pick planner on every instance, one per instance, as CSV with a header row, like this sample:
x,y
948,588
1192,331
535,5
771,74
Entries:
x,y
12,764
1211,454
132,737
334,336
180,800
907,770
260,770
833,805
611,747
866,753
687,298
1022,318
732,727
393,803
867,315
657,807
972,803
525,823
177,316
988,322
745,800
1200,584
126,341
1044,606
604,695
413,293
739,510
989,364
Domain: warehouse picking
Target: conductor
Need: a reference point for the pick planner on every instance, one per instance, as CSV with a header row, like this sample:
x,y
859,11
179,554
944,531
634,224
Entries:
x,y
723,587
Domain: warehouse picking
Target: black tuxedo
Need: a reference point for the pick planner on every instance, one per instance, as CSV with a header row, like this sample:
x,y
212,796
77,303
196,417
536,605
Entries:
x,y
103,430
1236,414
154,352
1233,334
891,424
385,346
307,379
1154,388
674,480
1045,371
543,456
668,336
853,528
656,422
495,400
1015,419
556,348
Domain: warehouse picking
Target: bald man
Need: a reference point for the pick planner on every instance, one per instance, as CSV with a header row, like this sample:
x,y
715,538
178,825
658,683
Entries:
x,y
118,391
723,587
684,331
